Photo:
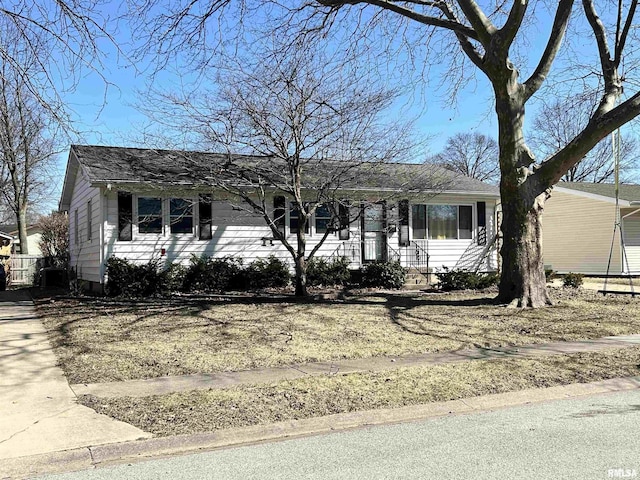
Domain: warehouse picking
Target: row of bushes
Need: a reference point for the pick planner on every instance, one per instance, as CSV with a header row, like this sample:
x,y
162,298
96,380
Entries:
x,y
206,274
464,280
451,279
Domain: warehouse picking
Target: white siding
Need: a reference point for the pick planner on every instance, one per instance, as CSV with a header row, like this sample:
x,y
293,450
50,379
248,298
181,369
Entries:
x,y
235,233
238,233
463,254
85,255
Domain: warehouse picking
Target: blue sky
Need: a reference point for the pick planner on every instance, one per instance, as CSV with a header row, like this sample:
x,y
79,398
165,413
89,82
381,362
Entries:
x,y
105,114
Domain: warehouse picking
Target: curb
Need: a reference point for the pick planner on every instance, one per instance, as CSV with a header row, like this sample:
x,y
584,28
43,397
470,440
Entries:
x,y
139,450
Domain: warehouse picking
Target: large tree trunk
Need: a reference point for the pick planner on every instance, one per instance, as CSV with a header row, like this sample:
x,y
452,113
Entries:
x,y
522,283
22,230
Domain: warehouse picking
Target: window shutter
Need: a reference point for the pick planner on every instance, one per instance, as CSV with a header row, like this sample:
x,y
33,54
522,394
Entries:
x,y
482,223
343,213
279,208
403,218
205,230
125,216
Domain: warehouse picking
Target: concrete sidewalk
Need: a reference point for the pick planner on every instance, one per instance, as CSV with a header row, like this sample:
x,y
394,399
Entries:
x,y
38,410
206,381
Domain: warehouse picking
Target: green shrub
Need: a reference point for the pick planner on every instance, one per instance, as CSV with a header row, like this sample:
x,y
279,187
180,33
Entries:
x,y
176,275
381,274
573,280
328,273
451,279
549,274
125,278
266,273
206,274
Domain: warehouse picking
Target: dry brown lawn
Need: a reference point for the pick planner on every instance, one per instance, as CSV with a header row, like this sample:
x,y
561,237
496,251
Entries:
x,y
205,411
100,340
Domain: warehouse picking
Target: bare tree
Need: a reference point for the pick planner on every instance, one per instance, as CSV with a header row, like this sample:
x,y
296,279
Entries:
x,y
489,38
61,40
299,127
26,148
54,242
557,124
471,154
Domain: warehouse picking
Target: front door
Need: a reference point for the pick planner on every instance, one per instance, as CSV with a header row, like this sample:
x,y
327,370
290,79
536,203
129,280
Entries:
x,y
374,238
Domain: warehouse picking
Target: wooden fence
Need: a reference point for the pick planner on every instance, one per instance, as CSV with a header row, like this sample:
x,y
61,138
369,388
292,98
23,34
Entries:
x,y
22,269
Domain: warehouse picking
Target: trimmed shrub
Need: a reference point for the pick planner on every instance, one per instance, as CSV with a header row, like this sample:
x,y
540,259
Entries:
x,y
125,278
381,274
206,274
572,280
266,273
451,279
322,272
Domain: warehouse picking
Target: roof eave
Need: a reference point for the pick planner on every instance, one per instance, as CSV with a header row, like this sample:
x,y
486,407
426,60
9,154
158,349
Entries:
x,y
134,183
593,196
69,181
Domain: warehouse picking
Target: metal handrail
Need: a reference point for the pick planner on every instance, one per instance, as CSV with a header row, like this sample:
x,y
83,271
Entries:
x,y
393,255
417,256
349,250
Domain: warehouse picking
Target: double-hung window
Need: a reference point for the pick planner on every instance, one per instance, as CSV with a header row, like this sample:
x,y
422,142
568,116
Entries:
x,y
149,215
323,218
442,222
181,215
294,219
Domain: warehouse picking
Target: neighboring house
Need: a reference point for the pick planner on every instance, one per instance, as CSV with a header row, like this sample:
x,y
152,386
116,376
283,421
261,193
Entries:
x,y
578,228
6,241
34,234
141,204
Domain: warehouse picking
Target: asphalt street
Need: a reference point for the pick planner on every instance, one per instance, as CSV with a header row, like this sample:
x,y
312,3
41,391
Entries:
x,y
596,437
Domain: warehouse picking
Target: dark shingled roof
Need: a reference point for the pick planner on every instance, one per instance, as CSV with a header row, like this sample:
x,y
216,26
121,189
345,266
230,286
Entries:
x,y
628,192
119,165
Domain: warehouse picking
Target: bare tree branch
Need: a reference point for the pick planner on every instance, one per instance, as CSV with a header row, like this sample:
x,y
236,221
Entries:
x,y
558,31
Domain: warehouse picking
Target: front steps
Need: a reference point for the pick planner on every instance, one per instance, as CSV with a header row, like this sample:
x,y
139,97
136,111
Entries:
x,y
417,279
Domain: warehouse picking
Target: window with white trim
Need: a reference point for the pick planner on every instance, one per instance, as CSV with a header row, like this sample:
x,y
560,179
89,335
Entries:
x,y
89,220
75,227
181,215
323,218
294,219
149,215
442,222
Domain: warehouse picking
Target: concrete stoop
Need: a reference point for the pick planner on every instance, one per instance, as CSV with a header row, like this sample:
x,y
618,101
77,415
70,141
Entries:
x,y
417,279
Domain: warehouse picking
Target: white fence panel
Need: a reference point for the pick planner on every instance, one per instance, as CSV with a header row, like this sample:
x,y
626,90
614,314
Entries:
x,y
23,268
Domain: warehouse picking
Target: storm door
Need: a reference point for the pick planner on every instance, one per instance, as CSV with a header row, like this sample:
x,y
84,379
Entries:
x,y
374,237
